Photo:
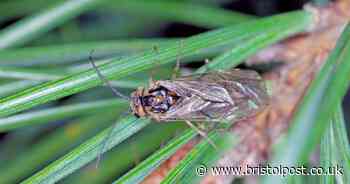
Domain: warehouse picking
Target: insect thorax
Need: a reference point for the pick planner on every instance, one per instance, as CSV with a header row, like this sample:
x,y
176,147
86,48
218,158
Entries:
x,y
154,100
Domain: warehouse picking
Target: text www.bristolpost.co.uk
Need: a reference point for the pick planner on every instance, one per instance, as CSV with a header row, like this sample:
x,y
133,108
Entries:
x,y
268,170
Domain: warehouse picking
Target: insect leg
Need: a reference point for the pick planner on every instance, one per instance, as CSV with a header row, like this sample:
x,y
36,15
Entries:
x,y
176,72
206,114
205,126
151,73
203,134
206,65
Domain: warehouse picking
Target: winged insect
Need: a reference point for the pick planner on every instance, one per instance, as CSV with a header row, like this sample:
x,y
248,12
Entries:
x,y
210,97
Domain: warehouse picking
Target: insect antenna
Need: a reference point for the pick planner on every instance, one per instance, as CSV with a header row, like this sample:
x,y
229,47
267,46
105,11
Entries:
x,y
104,80
107,139
116,93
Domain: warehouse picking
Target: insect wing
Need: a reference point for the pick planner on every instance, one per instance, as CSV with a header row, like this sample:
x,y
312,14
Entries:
x,y
217,96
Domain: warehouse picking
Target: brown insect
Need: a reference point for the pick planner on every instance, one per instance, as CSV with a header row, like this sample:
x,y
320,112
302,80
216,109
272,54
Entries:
x,y
213,96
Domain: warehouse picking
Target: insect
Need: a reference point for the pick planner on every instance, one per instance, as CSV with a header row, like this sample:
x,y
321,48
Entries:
x,y
210,97
213,96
